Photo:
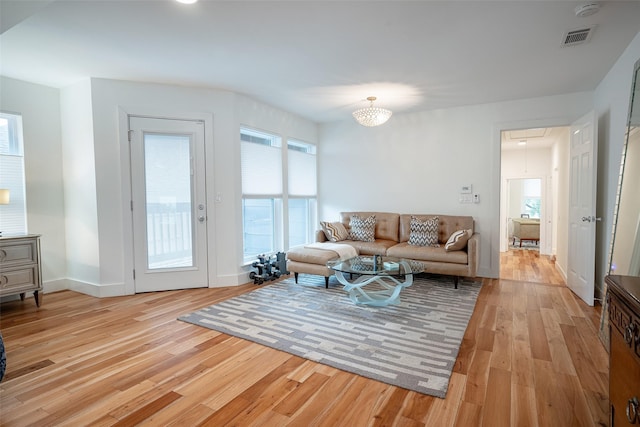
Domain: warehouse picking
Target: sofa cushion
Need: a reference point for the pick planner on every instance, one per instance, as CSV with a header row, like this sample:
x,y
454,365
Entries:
x,y
362,229
310,255
427,253
379,247
458,240
386,223
424,233
335,231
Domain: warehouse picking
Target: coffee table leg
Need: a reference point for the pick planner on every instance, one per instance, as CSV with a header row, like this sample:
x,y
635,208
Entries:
x,y
387,296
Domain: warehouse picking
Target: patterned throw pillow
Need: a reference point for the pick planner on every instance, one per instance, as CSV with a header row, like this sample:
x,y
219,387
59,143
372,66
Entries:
x,y
424,233
335,231
458,240
363,229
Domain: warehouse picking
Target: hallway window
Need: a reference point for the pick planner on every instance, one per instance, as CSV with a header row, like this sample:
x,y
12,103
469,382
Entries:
x,y
13,217
532,192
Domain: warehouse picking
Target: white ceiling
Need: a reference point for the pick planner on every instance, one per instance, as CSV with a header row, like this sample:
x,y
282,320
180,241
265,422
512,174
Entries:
x,y
536,138
321,59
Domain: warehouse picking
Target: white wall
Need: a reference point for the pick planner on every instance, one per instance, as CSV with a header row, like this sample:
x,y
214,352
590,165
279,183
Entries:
x,y
416,162
81,226
611,100
40,110
76,159
112,98
560,187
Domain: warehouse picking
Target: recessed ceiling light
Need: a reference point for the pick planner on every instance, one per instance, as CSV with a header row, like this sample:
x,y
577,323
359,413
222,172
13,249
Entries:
x,y
522,143
187,1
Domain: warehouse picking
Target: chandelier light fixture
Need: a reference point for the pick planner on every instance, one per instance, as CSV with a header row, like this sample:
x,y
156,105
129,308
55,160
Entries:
x,y
372,116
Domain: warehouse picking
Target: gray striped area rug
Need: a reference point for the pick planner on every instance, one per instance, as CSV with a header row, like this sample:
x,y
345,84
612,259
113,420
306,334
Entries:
x,y
412,345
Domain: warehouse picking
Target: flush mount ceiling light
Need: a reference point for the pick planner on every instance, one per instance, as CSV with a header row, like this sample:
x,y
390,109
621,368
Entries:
x,y
587,9
372,116
187,1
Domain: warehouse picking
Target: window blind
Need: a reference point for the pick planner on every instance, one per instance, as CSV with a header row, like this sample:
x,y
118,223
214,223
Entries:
x,y
261,169
302,174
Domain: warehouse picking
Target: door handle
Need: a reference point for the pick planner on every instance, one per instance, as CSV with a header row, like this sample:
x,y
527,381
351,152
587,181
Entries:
x,y
632,410
201,218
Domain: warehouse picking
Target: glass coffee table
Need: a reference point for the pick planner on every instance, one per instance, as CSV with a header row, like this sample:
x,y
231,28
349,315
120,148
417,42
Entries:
x,y
379,281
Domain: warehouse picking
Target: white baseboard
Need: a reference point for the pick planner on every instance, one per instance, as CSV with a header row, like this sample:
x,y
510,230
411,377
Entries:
x,y
119,289
56,285
230,280
488,273
562,272
98,291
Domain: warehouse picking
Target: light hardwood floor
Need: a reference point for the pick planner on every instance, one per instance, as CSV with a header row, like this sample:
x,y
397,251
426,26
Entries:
x,y
530,357
530,266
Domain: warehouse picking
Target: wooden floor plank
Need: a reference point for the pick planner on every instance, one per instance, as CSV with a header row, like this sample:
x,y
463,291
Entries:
x,y
497,403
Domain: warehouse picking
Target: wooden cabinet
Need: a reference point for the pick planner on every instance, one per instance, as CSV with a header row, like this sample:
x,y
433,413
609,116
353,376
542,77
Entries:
x,y
624,349
20,269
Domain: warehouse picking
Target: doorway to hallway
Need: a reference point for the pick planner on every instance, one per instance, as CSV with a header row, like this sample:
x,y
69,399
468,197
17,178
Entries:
x,y
534,183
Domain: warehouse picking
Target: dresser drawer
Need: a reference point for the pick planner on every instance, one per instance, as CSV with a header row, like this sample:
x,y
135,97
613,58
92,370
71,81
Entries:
x,y
17,280
626,324
20,252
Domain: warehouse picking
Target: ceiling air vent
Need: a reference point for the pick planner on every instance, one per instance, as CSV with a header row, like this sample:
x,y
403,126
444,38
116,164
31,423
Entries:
x,y
579,36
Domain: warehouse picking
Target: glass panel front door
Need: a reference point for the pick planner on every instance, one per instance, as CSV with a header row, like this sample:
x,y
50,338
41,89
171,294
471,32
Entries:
x,y
168,192
169,206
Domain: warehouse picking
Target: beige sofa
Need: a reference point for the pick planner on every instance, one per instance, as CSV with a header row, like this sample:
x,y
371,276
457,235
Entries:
x,y
391,239
526,229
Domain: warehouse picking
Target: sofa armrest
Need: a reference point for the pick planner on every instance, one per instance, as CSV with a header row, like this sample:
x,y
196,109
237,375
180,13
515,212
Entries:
x,y
320,236
473,254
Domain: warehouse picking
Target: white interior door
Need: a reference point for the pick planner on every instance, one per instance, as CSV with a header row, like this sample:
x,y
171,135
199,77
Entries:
x,y
169,204
582,207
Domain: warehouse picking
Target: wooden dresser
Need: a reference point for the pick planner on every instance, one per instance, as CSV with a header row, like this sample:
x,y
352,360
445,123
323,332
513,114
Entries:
x,y
20,269
623,296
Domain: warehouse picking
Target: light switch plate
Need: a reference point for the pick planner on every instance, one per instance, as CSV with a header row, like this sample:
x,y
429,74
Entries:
x,y
466,198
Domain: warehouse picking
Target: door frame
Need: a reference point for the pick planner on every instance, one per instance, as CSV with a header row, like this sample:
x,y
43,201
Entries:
x,y
125,173
544,243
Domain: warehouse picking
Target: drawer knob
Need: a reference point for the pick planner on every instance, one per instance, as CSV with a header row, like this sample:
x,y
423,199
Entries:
x,y
629,332
3,254
4,280
632,410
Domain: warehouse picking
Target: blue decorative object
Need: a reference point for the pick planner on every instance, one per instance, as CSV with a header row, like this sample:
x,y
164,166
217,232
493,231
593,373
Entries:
x,y
3,358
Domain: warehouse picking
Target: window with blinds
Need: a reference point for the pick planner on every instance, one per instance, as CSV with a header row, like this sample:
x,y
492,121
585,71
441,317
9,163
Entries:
x,y
278,193
13,216
301,192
